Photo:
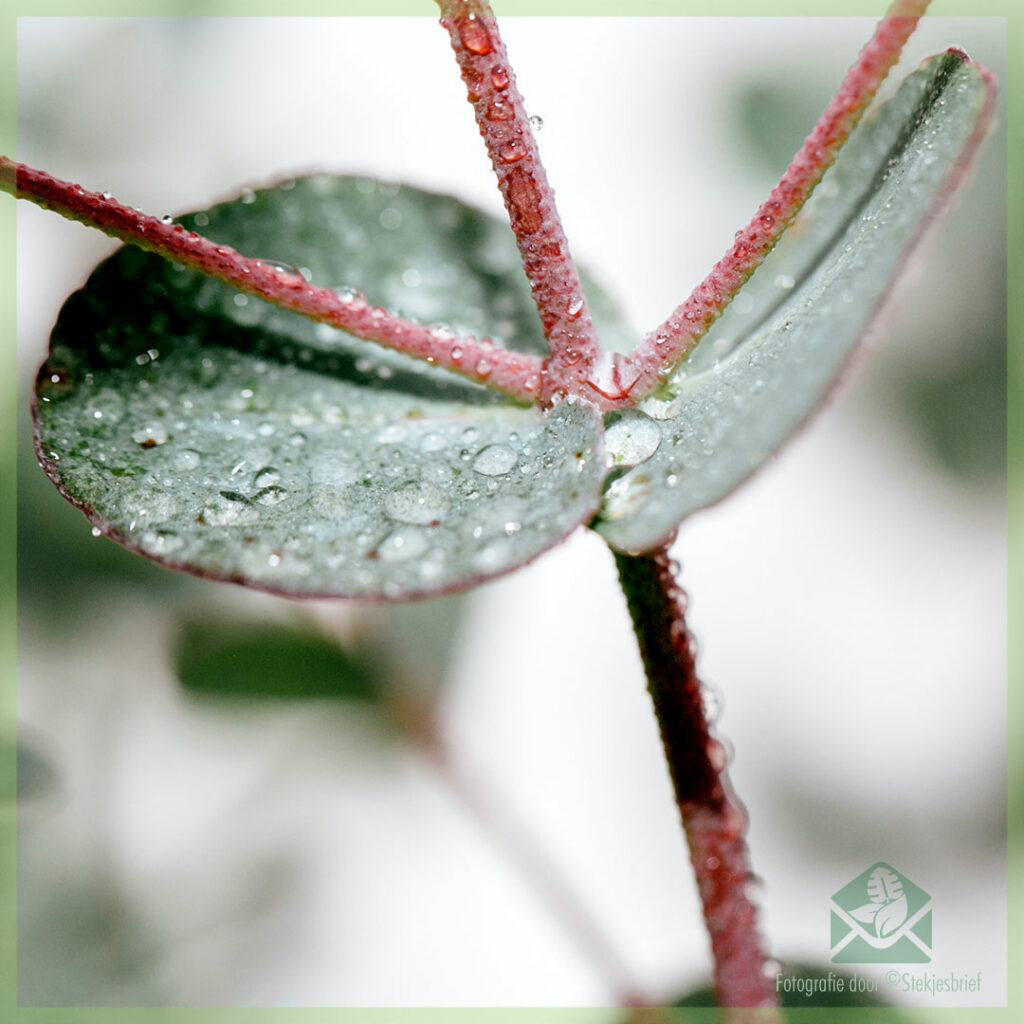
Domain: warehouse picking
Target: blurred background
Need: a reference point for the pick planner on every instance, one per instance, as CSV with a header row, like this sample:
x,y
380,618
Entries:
x,y
220,808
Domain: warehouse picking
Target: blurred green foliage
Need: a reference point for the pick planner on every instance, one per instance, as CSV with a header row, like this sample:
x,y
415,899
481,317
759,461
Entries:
x,y
262,660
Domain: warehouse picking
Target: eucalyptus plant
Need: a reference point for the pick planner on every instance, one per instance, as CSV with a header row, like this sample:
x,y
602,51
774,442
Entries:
x,y
232,393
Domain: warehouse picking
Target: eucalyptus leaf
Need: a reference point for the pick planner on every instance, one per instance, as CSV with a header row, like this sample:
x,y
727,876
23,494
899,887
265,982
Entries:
x,y
262,660
772,356
218,434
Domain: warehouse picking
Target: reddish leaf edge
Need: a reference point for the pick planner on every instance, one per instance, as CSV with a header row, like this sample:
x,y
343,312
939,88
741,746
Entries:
x,y
128,541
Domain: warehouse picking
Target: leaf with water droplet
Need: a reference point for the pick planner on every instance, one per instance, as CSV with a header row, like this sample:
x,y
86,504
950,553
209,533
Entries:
x,y
260,447
731,404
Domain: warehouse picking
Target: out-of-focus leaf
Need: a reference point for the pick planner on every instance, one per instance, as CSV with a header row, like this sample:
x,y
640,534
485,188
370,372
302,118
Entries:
x,y
772,116
215,433
773,354
263,660
961,415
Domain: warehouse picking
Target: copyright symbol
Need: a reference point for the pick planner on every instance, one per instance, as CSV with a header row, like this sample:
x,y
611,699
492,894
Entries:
x,y
892,977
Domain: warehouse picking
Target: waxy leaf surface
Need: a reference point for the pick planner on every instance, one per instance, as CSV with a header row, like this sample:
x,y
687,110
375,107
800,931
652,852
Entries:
x,y
770,358
216,433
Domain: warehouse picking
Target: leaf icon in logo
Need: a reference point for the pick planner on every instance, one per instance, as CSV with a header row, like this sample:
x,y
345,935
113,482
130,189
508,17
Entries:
x,y
884,885
866,914
890,916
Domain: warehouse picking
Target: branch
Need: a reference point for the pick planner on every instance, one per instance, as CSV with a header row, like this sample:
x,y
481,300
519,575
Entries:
x,y
529,200
712,817
663,348
518,375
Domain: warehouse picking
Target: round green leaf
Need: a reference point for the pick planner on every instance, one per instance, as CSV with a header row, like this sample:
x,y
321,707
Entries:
x,y
772,356
218,434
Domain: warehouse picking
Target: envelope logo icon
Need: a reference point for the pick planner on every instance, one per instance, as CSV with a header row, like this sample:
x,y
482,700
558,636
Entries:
x,y
881,917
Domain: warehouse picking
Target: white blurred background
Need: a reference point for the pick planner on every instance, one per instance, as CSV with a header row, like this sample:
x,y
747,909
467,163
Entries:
x,y
849,601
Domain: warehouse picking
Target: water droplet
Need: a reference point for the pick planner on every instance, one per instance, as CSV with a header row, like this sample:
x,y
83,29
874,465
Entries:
x,y
186,459
712,700
483,368
166,219
202,220
495,460
160,542
494,556
499,77
96,531
106,406
416,503
575,308
631,437
475,36
627,495
501,108
403,544
412,278
390,218
350,296
512,151
718,755
536,122
150,436
272,495
228,511
241,300
784,281
432,442
269,476
512,527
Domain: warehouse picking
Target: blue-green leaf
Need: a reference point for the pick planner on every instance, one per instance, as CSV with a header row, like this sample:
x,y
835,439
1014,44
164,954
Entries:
x,y
771,357
218,434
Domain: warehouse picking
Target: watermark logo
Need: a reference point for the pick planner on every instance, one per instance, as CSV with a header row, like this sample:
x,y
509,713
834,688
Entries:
x,y
881,917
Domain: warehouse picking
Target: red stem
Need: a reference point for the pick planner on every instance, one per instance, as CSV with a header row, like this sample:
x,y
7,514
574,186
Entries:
x,y
514,373
664,347
712,817
505,127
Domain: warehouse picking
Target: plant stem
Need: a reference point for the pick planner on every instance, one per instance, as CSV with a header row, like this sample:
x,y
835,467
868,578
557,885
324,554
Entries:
x,y
529,200
662,349
514,373
712,817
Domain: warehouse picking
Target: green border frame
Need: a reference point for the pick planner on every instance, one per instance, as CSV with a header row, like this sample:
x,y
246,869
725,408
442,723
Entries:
x,y
1013,10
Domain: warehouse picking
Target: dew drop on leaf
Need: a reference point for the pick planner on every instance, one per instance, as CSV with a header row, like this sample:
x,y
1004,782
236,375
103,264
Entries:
x,y
416,503
495,460
150,436
631,437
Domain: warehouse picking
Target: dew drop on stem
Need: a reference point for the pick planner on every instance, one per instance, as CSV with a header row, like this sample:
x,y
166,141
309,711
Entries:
x,y
475,37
